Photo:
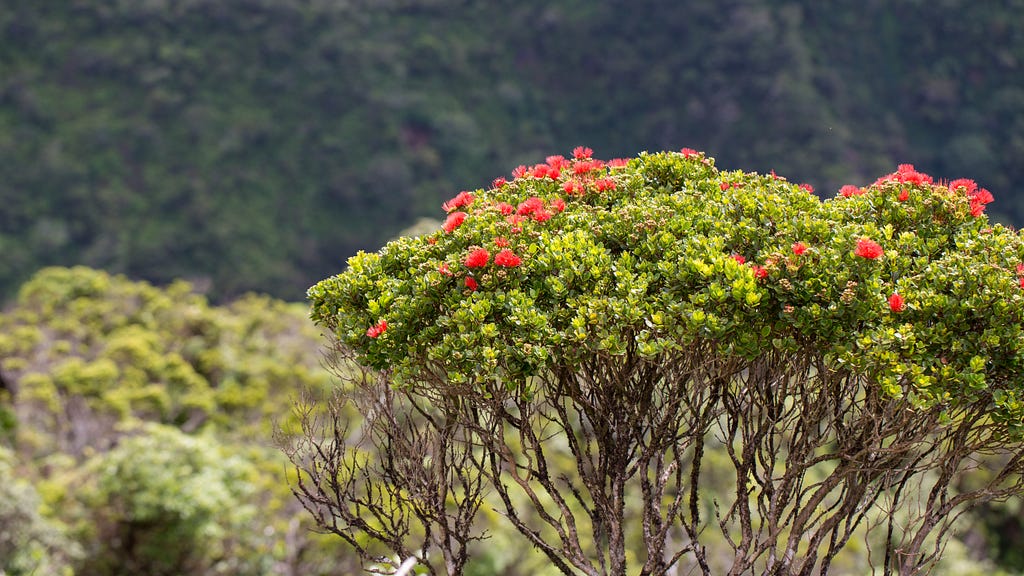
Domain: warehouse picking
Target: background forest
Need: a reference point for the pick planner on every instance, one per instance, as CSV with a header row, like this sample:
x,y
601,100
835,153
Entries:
x,y
206,149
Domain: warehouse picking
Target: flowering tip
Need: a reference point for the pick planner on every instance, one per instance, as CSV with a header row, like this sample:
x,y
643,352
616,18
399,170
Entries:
x,y
462,199
896,302
507,259
582,152
867,248
453,221
377,329
477,258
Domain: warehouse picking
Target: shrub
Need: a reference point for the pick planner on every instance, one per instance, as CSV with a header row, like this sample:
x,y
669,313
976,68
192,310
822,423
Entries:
x,y
851,356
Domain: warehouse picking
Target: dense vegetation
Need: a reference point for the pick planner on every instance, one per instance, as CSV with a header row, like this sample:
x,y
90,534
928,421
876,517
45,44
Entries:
x,y
256,144
135,431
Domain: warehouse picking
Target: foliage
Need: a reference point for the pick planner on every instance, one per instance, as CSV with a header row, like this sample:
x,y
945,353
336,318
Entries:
x,y
119,395
252,144
168,503
30,543
850,355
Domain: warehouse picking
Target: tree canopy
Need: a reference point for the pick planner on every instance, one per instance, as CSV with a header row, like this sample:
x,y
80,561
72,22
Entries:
x,y
853,356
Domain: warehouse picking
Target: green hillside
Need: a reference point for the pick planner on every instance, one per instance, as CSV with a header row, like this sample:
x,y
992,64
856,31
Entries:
x,y
256,144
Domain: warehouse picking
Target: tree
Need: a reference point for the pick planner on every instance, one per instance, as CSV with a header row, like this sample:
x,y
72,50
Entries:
x,y
857,359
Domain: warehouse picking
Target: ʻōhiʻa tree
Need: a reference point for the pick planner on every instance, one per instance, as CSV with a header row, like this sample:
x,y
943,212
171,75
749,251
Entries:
x,y
857,359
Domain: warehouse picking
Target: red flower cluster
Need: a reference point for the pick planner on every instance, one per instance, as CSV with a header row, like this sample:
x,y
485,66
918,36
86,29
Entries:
x,y
904,195
586,166
808,188
603,184
906,174
851,190
896,302
867,248
689,152
516,222
477,258
739,258
471,284
618,163
533,207
507,259
582,153
462,199
443,269
558,162
978,197
573,187
760,272
377,329
453,221
799,248
529,206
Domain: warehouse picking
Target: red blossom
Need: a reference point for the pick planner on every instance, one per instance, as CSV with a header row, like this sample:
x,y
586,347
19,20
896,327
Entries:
x,y
967,184
573,187
529,206
582,153
501,242
477,258
906,174
689,152
739,258
520,171
850,190
462,199
443,269
558,205
1021,281
507,259
808,187
471,283
777,177
453,221
516,221
377,329
867,248
542,215
506,208
896,302
539,170
557,162
1020,269
799,248
581,168
724,186
760,272
432,240
978,199
498,182
617,163
603,184
904,195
